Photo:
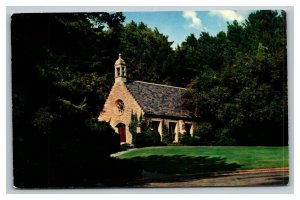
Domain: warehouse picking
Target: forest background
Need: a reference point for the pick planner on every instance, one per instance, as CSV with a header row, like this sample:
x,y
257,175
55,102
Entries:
x,y
62,72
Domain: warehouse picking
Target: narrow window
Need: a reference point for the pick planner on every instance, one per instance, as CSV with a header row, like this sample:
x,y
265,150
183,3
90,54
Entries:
x,y
172,133
155,125
123,71
188,128
118,72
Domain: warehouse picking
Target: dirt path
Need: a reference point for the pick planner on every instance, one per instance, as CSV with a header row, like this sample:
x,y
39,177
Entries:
x,y
259,177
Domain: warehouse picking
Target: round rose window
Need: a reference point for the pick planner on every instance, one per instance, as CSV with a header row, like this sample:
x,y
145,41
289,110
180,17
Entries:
x,y
120,106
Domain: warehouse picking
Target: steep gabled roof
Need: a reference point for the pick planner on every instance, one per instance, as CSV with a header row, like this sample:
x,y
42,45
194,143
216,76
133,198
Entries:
x,y
159,100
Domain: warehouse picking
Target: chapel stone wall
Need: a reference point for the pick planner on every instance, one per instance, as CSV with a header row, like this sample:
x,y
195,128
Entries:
x,y
110,111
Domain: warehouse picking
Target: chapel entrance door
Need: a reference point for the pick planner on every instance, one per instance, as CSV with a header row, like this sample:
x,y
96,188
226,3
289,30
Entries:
x,y
122,132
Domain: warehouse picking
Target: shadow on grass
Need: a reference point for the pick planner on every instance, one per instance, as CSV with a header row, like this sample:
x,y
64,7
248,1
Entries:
x,y
113,172
135,172
181,164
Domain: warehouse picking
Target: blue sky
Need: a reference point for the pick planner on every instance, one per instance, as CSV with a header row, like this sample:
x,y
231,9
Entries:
x,y
178,25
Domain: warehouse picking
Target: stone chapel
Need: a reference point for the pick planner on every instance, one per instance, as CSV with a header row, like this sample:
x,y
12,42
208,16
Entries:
x,y
154,102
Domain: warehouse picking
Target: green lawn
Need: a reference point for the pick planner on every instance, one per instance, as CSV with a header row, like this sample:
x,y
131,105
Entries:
x,y
188,159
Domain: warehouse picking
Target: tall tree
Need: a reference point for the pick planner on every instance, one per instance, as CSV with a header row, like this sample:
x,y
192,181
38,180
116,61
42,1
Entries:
x,y
59,81
247,96
146,51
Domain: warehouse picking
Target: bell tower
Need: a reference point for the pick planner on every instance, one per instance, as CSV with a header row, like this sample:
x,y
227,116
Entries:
x,y
120,70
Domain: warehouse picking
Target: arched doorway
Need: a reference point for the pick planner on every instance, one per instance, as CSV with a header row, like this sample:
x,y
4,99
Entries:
x,y
122,132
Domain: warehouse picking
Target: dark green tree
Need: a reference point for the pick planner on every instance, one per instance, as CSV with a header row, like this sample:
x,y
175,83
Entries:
x,y
146,52
246,99
60,81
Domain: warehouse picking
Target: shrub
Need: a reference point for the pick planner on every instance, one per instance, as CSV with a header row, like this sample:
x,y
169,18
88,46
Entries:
x,y
103,136
205,133
154,137
222,137
187,139
147,138
142,140
132,127
195,141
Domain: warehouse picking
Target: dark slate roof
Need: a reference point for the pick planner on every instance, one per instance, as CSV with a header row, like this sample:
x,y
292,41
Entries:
x,y
159,100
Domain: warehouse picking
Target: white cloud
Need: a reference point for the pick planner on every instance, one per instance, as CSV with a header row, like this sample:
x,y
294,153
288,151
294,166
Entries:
x,y
195,21
227,15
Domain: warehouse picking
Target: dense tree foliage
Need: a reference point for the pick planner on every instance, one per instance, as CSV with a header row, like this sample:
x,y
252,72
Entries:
x,y
62,72
153,50
243,92
59,83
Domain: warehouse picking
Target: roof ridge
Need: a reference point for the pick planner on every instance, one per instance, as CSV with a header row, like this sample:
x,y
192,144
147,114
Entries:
x,y
161,85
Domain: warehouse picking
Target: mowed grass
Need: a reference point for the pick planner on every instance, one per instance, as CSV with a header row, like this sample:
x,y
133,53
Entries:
x,y
190,159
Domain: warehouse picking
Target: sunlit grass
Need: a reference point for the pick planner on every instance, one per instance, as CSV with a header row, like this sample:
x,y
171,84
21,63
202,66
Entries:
x,y
188,159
